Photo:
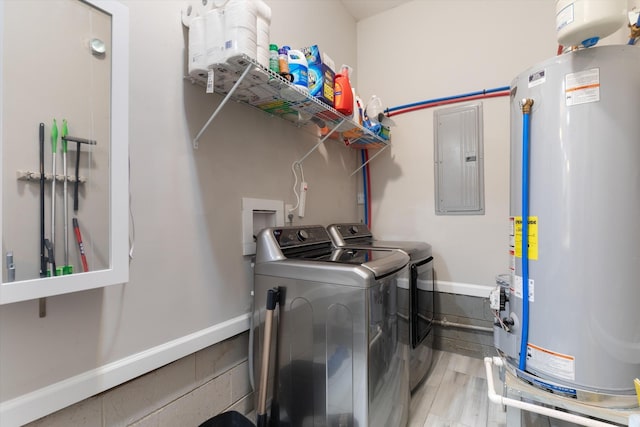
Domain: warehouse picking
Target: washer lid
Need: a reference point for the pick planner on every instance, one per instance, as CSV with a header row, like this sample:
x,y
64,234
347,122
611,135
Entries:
x,y
379,261
360,267
312,244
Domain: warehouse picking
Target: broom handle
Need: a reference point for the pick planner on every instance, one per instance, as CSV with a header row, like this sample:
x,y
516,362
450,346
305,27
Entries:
x,y
273,296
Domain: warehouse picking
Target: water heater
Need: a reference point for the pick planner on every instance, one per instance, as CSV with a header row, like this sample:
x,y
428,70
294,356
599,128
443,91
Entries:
x,y
583,239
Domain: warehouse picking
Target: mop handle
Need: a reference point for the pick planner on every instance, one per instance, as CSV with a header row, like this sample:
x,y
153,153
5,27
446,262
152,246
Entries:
x,y
273,298
43,256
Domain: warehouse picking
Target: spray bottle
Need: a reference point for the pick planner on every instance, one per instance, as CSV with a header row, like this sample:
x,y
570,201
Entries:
x,y
343,94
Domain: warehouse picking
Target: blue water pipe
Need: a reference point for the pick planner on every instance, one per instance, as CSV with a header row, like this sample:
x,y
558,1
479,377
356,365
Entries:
x,y
526,111
364,187
447,98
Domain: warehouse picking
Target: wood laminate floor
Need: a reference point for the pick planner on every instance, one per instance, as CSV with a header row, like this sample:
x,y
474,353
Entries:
x,y
454,394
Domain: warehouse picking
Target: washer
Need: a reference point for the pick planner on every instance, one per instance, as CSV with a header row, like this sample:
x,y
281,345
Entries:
x,y
338,361
415,293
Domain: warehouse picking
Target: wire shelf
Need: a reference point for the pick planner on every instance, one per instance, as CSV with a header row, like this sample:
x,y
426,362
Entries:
x,y
247,82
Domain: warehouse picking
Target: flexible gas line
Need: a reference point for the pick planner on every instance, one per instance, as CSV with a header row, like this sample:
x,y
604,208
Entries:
x,y
524,247
445,323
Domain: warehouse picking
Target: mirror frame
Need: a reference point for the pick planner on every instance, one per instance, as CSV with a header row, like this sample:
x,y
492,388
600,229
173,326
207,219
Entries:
x,y
118,271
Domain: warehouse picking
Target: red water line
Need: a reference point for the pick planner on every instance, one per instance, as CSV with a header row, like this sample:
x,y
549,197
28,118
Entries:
x,y
450,101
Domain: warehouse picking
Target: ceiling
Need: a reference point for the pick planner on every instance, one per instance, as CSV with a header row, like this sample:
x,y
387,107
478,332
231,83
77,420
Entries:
x,y
361,9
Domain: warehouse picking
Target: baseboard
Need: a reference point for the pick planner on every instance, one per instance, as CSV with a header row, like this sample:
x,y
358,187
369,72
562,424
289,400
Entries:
x,y
47,400
469,289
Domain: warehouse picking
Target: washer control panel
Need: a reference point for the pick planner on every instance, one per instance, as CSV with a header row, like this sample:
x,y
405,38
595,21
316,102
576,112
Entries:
x,y
298,236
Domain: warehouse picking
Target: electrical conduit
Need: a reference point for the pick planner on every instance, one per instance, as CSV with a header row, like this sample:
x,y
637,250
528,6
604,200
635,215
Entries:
x,y
526,111
364,186
366,156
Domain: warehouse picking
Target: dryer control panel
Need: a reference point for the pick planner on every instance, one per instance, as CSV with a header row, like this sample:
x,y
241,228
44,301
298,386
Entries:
x,y
353,230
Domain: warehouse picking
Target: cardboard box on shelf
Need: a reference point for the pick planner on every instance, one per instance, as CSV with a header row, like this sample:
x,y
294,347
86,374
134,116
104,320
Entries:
x,y
321,74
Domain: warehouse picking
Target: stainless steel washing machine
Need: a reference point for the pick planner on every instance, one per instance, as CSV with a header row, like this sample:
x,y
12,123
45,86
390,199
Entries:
x,y
415,293
338,360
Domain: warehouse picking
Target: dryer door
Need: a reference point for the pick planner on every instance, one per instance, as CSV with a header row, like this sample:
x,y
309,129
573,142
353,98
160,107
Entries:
x,y
421,300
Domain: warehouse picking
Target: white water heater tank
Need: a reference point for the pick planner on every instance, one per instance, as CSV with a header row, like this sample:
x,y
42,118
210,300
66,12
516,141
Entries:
x,y
583,339
584,22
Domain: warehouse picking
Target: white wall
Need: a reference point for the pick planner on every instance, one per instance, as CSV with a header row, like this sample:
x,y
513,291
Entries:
x,y
430,49
188,272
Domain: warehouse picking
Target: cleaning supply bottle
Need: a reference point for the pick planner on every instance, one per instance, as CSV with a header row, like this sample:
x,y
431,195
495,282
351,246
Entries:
x,y
298,67
358,109
343,95
274,65
283,61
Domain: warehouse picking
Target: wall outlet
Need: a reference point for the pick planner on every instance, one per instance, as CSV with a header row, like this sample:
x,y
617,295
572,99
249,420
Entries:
x,y
361,198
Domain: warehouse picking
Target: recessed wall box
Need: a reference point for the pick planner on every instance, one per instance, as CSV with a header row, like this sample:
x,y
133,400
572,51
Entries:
x,y
256,215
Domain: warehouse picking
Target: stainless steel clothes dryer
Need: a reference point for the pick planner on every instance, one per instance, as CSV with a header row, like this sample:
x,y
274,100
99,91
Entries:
x,y
415,293
339,361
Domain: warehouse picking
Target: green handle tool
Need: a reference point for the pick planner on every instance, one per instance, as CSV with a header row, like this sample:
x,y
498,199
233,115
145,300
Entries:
x,y
66,268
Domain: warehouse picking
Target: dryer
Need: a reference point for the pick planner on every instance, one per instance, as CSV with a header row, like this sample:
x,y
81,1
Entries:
x,y
415,293
339,361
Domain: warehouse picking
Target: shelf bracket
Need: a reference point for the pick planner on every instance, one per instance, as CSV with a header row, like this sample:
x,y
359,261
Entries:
x,y
319,143
219,108
371,158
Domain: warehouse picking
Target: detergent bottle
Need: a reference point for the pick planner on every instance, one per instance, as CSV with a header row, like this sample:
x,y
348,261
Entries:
x,y
343,95
298,67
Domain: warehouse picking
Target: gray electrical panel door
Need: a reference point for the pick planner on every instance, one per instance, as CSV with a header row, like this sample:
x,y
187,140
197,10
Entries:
x,y
459,172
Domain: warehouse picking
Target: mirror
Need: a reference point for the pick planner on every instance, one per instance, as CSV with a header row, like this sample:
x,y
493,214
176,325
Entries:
x,y
64,86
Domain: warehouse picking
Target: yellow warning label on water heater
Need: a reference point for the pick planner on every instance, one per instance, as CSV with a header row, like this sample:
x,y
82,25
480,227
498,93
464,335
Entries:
x,y
532,231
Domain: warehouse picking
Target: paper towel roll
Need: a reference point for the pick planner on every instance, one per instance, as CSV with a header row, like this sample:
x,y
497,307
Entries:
x,y
197,53
241,13
240,25
239,43
263,25
214,20
264,10
263,38
202,8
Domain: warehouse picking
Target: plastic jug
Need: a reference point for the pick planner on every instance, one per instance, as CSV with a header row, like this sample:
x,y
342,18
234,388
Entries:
x,y
298,67
343,94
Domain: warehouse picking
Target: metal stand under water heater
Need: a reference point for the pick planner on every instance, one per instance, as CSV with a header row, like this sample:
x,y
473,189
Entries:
x,y
569,320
